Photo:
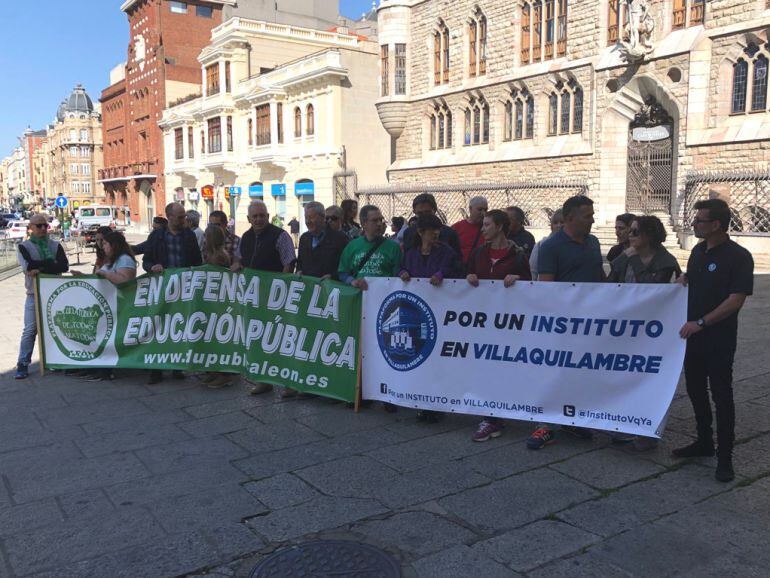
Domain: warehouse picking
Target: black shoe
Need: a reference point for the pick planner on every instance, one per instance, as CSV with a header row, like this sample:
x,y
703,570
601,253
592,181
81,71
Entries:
x,y
156,376
697,449
725,472
176,374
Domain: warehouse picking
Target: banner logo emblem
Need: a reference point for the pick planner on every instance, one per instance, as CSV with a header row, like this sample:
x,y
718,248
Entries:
x,y
80,320
406,330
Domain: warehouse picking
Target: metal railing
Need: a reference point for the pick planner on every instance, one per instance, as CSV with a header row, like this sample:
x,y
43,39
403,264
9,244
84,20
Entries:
x,y
747,193
538,199
8,254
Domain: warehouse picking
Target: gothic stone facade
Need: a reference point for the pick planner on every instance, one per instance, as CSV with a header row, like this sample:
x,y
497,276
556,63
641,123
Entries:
x,y
470,54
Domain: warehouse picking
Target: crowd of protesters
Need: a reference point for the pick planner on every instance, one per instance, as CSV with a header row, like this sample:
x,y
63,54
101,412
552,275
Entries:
x,y
488,244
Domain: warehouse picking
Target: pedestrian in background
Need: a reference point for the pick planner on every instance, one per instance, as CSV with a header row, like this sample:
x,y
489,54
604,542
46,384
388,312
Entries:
x,y
557,222
171,247
720,275
518,234
38,254
497,258
192,222
469,230
349,225
622,227
294,230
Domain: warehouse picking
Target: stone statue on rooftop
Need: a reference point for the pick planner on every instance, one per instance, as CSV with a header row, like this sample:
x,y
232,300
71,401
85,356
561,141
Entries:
x,y
636,42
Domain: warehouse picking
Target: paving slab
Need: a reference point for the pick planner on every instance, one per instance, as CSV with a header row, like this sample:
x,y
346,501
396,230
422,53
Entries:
x,y
218,424
536,544
460,562
190,454
282,491
129,440
514,501
260,439
607,468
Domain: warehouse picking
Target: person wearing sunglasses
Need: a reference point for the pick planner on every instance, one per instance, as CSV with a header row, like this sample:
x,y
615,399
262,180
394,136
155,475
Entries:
x,y
38,254
719,278
334,218
321,247
645,260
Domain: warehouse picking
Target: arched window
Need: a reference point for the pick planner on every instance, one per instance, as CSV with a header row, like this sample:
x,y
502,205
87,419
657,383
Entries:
x,y
566,101
752,66
477,44
441,54
553,114
577,117
297,122
477,122
441,128
530,128
508,132
759,84
310,120
519,133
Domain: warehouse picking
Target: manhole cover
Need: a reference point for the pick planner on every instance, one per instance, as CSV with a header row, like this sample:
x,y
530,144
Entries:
x,y
327,558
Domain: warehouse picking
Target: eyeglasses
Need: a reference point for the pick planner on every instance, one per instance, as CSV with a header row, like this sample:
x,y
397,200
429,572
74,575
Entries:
x,y
331,218
40,225
633,232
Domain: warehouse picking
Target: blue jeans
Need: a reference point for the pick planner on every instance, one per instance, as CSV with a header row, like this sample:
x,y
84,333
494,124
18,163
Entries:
x,y
29,334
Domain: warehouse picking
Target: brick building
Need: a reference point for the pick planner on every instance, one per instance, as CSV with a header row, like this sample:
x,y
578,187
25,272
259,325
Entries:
x,y
165,39
646,106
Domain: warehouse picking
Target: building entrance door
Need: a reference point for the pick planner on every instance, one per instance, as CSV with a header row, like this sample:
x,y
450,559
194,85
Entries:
x,y
649,176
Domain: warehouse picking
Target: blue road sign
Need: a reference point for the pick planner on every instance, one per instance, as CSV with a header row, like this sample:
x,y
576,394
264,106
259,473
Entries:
x,y
61,202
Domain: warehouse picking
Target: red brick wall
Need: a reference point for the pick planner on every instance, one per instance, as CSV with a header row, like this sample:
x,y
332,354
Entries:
x,y
172,43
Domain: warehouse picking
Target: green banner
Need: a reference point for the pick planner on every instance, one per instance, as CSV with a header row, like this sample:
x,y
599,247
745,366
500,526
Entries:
x,y
274,328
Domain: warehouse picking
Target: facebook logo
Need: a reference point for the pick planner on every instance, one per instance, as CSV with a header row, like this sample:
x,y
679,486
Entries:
x,y
384,388
569,410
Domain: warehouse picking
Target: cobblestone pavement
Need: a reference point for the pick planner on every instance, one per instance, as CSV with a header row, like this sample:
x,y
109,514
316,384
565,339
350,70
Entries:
x,y
123,479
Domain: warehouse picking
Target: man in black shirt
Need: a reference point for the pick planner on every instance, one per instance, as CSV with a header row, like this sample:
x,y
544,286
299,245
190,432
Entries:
x,y
517,233
720,275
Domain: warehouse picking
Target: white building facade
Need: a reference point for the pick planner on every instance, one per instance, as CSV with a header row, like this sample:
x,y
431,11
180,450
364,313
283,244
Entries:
x,y
284,109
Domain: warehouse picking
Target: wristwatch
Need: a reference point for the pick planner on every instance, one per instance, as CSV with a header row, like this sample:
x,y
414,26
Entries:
x,y
701,322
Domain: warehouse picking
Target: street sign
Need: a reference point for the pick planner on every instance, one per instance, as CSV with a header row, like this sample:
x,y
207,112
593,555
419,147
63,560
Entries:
x,y
61,202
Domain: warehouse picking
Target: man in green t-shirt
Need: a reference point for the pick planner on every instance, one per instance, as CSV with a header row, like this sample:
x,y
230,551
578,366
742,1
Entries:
x,y
371,254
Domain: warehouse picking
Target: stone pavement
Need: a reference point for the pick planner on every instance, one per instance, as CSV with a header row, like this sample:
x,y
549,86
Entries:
x,y
122,479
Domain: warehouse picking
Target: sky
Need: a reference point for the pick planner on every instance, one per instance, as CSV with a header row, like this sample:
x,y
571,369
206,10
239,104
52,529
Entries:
x,y
48,46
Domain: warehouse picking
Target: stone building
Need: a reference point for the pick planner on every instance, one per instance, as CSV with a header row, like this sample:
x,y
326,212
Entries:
x,y
645,105
284,109
73,151
165,39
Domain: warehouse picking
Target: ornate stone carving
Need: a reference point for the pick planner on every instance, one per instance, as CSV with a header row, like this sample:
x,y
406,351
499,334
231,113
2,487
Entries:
x,y
651,114
637,33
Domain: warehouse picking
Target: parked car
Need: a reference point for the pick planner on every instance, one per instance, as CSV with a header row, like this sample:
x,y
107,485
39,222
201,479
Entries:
x,y
6,218
99,215
16,230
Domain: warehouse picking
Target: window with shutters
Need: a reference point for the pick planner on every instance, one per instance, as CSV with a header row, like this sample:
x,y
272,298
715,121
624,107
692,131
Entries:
x,y
212,79
688,13
400,70
477,44
229,134
279,121
228,84
441,54
178,144
250,129
310,117
215,134
263,124
543,30
297,122
190,142
384,69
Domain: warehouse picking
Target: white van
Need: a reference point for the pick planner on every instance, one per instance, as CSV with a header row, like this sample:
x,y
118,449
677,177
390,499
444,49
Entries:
x,y
99,215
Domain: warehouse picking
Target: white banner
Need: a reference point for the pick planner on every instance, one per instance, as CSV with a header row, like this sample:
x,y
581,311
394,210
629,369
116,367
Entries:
x,y
601,356
80,320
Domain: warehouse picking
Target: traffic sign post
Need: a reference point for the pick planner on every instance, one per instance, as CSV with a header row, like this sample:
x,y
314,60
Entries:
x,y
61,202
